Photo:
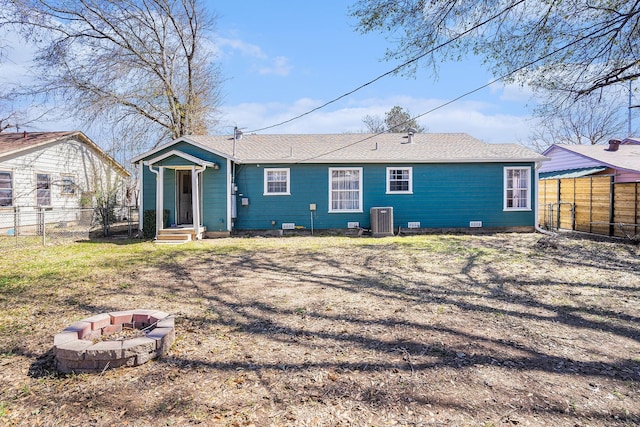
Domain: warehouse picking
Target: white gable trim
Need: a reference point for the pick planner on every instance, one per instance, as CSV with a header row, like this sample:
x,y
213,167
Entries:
x,y
176,141
182,155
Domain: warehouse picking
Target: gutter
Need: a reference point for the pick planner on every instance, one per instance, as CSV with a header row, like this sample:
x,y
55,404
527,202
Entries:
x,y
289,160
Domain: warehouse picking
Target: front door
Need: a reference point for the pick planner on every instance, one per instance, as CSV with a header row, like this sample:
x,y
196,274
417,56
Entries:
x,y
185,206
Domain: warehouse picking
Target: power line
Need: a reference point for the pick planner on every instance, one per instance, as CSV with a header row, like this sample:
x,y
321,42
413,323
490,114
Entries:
x,y
502,77
399,67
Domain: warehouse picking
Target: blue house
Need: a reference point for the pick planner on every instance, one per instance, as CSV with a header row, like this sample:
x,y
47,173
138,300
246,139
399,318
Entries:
x,y
215,185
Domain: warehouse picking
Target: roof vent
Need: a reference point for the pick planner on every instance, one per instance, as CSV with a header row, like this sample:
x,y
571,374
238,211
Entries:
x,y
409,136
237,133
613,145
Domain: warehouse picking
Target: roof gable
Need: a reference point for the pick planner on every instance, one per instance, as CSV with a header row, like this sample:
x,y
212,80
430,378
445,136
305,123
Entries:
x,y
180,154
148,154
14,143
565,156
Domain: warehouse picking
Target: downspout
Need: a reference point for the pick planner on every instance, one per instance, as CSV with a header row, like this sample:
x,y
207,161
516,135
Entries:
x,y
196,202
535,204
140,195
229,211
237,135
234,190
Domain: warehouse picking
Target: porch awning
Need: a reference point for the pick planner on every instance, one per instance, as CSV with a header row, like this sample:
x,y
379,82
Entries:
x,y
177,153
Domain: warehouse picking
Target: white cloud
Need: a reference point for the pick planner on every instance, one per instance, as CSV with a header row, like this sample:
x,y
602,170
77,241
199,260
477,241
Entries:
x,y
470,117
246,49
263,63
279,66
512,92
19,56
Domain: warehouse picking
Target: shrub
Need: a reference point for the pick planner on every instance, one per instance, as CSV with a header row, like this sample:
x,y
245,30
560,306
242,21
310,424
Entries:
x,y
149,223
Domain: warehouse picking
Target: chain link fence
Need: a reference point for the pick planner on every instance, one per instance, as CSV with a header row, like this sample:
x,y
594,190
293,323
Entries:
x,y
29,226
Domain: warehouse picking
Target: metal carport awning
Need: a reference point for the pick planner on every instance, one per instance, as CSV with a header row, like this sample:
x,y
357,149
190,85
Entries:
x,y
571,173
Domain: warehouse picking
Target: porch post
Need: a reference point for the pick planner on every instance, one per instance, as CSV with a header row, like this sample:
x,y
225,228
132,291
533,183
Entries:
x,y
140,199
195,201
160,201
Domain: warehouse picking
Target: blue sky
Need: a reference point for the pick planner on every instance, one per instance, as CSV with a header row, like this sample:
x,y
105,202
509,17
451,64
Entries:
x,y
284,58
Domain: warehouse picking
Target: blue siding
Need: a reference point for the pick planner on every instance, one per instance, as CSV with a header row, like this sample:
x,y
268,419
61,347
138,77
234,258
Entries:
x,y
214,198
148,189
214,186
444,195
309,184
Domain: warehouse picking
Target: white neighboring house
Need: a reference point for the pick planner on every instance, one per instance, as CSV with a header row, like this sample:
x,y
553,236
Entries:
x,y
54,171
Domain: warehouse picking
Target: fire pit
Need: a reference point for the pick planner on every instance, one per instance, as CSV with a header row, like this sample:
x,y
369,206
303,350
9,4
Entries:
x,y
85,346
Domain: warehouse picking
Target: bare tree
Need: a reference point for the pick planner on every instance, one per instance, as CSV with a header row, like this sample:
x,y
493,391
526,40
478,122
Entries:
x,y
8,118
373,124
590,120
129,65
5,123
396,120
572,47
15,118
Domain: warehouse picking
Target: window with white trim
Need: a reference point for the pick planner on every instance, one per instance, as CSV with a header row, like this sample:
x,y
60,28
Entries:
x,y
6,189
399,180
276,182
68,185
43,189
345,189
517,189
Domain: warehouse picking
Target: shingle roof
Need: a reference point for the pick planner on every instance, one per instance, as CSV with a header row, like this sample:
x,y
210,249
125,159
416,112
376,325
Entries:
x,y
15,142
366,148
627,156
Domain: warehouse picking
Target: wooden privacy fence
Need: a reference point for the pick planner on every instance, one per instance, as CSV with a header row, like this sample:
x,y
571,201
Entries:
x,y
594,204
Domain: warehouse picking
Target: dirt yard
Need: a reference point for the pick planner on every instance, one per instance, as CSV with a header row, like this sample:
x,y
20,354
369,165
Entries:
x,y
497,330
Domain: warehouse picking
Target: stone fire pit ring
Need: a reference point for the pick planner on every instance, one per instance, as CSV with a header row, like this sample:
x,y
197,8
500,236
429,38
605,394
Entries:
x,y
84,346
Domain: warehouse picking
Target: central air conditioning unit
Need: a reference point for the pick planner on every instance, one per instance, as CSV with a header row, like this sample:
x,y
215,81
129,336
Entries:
x,y
382,221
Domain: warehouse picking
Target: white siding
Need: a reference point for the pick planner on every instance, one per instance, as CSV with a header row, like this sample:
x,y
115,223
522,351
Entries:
x,y
69,157
566,160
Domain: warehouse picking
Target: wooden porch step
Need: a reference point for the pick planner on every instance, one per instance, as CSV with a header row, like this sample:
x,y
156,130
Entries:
x,y
174,238
170,231
177,235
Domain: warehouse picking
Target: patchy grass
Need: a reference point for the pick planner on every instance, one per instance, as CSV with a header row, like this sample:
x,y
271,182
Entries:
x,y
423,330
